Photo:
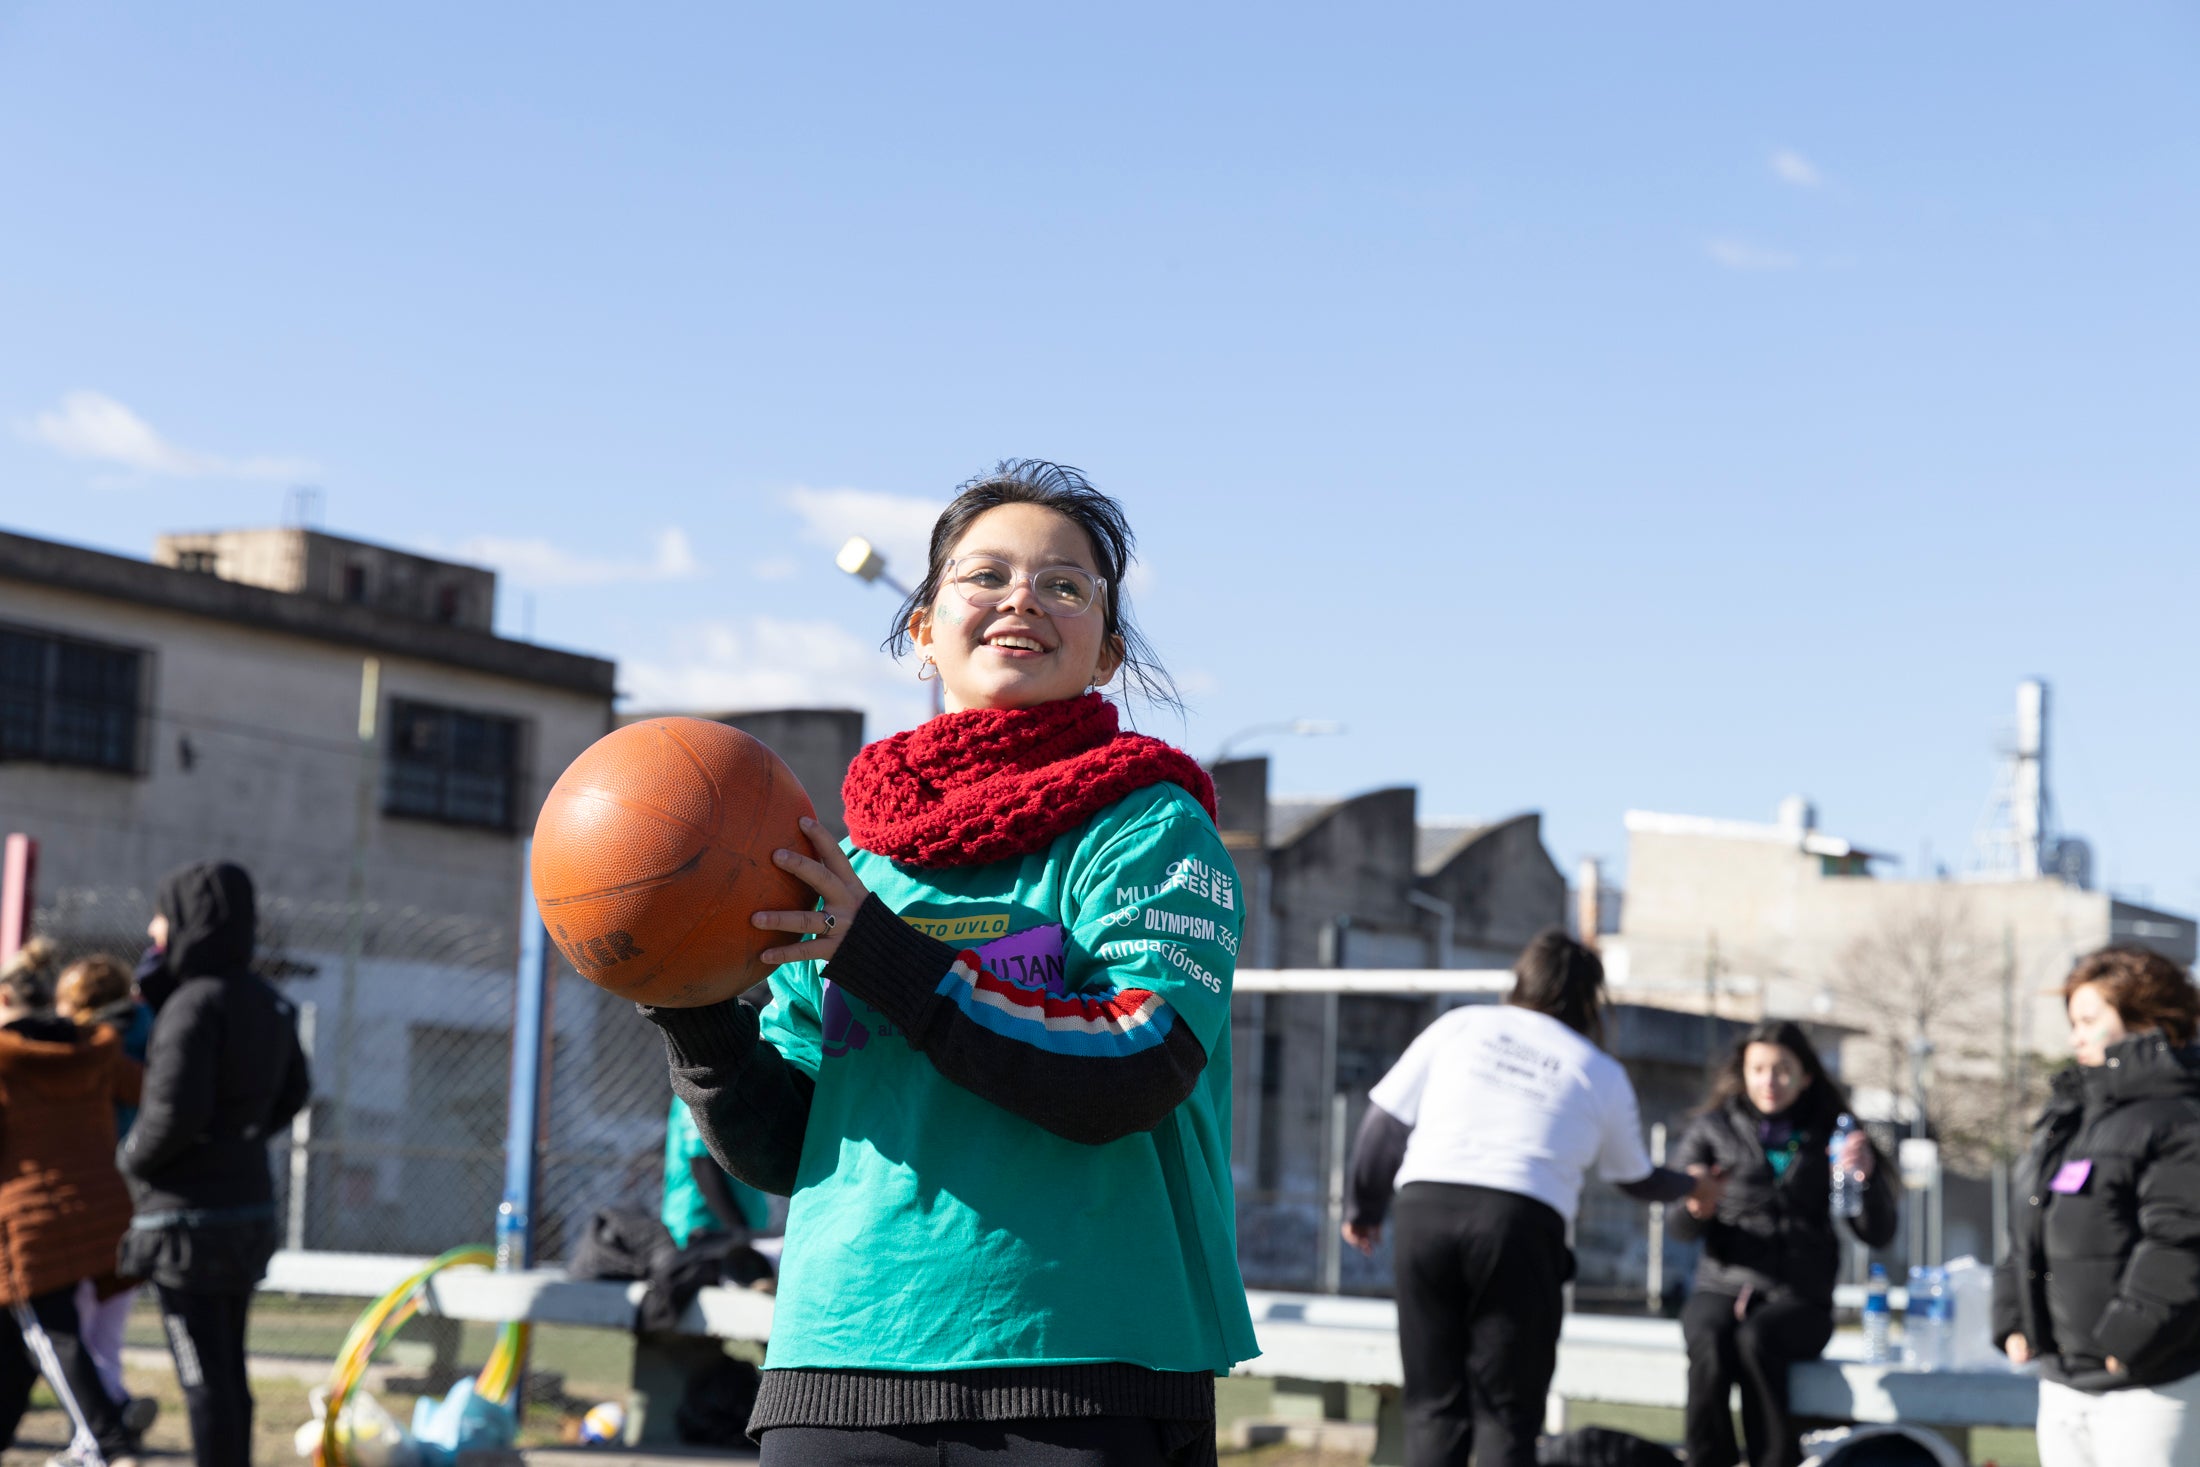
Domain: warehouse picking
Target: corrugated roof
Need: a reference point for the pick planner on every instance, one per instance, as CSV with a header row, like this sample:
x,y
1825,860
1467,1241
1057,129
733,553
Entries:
x,y
1435,842
1291,817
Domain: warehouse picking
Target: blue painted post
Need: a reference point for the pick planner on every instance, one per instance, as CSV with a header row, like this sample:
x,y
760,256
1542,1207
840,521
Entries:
x,y
530,1079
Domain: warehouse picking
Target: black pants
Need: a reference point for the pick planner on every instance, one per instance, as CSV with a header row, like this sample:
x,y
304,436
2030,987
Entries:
x,y
1090,1441
1727,1348
57,1317
1481,1275
206,1339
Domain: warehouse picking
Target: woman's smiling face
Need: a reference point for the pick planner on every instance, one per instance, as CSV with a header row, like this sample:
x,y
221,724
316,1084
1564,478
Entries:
x,y
1017,654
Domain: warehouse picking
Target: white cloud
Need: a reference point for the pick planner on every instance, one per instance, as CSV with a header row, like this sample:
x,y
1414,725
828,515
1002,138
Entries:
x,y
1735,254
1790,166
92,425
776,568
540,564
770,662
1197,682
900,525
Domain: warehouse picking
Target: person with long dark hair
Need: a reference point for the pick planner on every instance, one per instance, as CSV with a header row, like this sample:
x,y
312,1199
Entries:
x,y
994,1076
1763,1296
2100,1289
1485,1128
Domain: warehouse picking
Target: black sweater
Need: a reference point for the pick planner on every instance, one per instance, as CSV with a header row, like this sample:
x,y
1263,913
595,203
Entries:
x,y
1773,1234
2108,1263
224,1071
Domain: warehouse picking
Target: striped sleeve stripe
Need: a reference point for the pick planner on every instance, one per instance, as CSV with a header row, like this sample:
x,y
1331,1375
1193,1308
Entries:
x,y
1129,1021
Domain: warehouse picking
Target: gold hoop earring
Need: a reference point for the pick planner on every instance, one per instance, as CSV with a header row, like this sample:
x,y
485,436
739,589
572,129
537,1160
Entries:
x,y
927,670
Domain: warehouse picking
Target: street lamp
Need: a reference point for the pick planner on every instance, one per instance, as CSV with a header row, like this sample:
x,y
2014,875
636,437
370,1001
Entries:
x,y
860,558
1308,728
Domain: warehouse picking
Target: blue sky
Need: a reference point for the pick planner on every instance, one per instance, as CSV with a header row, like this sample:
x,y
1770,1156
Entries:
x,y
1626,407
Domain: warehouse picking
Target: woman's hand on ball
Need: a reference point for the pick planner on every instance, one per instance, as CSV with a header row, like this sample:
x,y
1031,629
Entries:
x,y
839,890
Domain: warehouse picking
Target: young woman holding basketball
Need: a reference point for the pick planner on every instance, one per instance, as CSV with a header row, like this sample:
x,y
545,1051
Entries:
x,y
995,1076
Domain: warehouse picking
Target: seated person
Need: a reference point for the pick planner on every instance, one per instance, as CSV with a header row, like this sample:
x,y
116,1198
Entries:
x,y
700,1198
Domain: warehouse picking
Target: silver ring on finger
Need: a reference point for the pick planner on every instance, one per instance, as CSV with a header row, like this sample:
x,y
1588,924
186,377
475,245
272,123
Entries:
x,y
831,921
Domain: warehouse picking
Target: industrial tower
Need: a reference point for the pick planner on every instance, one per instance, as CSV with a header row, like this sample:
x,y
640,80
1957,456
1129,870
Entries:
x,y
2017,839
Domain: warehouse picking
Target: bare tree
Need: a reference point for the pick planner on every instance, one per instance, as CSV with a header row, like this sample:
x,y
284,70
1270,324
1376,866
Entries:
x,y
1927,987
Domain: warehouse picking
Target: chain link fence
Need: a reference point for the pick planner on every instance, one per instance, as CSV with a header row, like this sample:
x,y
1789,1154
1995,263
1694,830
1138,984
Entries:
x,y
408,1019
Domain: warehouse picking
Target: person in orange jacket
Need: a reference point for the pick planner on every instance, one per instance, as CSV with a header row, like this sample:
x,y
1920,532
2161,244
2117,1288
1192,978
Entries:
x,y
63,1206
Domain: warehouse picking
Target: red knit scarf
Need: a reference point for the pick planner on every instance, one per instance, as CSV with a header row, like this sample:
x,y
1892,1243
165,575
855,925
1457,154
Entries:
x,y
978,786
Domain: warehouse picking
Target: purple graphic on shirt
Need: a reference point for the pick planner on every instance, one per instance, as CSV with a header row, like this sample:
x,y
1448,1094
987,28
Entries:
x,y
1032,958
843,1031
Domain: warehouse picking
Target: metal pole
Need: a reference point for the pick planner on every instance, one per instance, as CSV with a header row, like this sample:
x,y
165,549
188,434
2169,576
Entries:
x,y
18,883
1711,1004
301,1144
1936,1251
355,894
1332,1248
1333,1222
530,1043
1654,1263
1998,1179
2009,1142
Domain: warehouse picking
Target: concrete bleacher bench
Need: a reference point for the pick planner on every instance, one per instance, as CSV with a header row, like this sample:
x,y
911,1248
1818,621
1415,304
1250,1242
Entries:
x,y
662,1364
1310,1340
1628,1361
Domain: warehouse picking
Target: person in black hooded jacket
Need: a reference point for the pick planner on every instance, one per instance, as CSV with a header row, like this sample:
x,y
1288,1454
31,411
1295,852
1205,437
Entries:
x,y
224,1072
2101,1284
1763,1297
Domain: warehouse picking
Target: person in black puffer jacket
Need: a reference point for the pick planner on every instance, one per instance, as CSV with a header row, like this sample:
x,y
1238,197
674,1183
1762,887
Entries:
x,y
2101,1285
1763,1296
224,1073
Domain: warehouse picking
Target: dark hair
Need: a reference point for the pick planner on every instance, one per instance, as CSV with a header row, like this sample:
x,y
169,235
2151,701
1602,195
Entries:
x,y
2147,990
1067,492
1558,976
1821,1102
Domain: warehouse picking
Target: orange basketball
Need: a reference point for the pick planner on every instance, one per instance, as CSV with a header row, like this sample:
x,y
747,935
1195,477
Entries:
x,y
653,851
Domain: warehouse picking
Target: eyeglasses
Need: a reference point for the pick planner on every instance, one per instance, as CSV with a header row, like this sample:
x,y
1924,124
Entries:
x,y
986,581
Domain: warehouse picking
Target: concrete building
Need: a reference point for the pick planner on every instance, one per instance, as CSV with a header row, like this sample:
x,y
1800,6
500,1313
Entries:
x,y
339,719
311,563
1786,920
153,714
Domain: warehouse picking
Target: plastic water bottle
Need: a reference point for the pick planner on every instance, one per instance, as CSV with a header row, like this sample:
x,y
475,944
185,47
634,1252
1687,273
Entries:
x,y
1878,1320
1925,1325
1846,1194
511,1236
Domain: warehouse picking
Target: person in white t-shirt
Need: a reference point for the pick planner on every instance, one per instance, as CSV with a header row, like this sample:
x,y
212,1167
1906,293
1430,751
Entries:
x,y
1484,1129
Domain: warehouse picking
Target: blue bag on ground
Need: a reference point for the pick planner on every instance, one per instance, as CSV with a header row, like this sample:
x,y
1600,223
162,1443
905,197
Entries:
x,y
461,1422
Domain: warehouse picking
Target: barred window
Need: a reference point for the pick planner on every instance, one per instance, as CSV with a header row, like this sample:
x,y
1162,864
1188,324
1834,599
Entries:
x,y
451,765
68,701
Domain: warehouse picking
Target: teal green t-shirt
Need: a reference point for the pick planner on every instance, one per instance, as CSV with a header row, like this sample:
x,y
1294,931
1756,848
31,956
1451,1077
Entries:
x,y
685,1212
934,1230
